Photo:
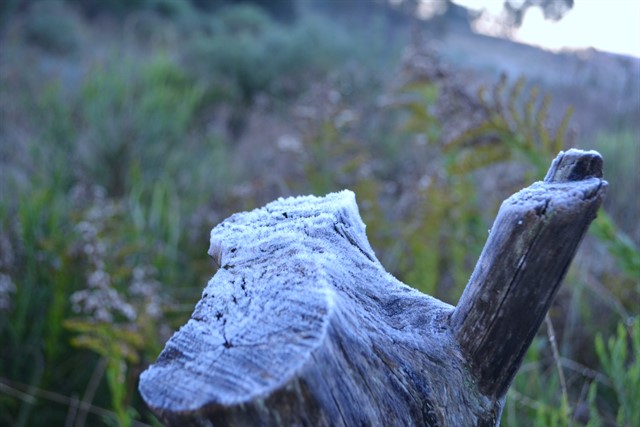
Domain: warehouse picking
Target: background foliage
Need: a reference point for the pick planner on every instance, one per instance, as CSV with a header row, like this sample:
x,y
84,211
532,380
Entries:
x,y
129,128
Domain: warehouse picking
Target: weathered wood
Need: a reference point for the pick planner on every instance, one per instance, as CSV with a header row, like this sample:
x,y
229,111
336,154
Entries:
x,y
302,326
530,247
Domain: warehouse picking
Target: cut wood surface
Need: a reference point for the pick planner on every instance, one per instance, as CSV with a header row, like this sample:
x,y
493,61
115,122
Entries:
x,y
302,326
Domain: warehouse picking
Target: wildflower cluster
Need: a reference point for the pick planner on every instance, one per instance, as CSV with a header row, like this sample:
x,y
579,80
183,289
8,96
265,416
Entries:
x,y
145,287
120,305
99,300
113,291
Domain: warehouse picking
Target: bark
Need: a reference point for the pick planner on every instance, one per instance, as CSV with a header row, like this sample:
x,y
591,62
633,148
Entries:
x,y
301,325
530,247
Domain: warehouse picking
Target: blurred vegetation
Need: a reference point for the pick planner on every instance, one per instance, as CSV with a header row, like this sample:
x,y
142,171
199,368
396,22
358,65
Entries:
x,y
128,129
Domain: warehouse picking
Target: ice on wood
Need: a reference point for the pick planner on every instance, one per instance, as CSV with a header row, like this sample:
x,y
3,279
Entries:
x,y
284,270
301,325
294,219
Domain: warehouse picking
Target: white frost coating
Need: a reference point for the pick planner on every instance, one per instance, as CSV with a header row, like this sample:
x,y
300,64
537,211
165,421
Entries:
x,y
541,192
575,165
579,153
308,210
286,271
276,264
300,303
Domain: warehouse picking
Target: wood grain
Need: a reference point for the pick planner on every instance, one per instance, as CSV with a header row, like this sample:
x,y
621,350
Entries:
x,y
302,326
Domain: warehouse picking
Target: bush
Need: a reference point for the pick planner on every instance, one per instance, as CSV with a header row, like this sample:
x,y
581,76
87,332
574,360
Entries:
x,y
132,116
52,26
621,149
620,360
120,8
253,54
7,10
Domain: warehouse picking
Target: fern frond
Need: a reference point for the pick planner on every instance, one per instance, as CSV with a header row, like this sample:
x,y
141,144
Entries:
x,y
514,97
498,92
529,117
562,130
478,157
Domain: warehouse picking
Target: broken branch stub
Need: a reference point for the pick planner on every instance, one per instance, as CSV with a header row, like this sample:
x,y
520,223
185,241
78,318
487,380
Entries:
x,y
531,244
301,325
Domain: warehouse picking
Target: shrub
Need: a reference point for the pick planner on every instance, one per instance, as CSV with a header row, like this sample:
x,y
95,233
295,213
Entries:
x,y
620,360
133,115
7,10
34,354
621,150
119,8
52,26
253,54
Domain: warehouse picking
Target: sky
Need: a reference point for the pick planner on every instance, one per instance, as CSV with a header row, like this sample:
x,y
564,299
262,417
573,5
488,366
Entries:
x,y
606,25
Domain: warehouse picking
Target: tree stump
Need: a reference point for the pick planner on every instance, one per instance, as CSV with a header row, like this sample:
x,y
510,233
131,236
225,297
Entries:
x,y
302,326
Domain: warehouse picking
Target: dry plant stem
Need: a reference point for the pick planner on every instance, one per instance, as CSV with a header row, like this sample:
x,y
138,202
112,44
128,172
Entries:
x,y
605,295
36,376
556,357
18,394
90,391
33,394
525,400
72,412
586,372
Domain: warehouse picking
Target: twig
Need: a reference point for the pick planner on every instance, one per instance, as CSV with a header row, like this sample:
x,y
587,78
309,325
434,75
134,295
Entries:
x,y
605,295
585,371
90,391
13,389
556,357
72,413
526,400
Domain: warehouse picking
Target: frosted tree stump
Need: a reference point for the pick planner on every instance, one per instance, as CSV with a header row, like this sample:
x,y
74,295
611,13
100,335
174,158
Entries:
x,y
302,326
